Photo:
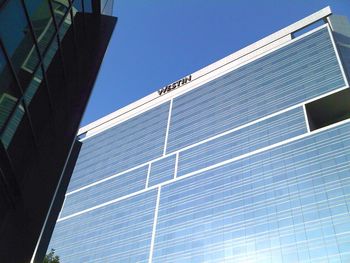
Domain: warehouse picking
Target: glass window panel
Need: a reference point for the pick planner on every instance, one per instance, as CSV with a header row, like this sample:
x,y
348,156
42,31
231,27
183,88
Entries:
x,y
33,86
9,92
41,19
51,52
107,7
65,25
60,8
18,41
87,6
78,6
11,127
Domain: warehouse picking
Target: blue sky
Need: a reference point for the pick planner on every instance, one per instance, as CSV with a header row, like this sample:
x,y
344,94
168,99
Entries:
x,y
157,42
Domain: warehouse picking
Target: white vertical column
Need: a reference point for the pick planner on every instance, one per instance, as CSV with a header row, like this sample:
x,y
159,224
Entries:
x,y
176,164
154,227
148,173
168,126
306,119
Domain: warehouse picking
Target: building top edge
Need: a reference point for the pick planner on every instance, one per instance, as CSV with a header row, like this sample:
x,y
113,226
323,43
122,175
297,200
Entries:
x,y
155,98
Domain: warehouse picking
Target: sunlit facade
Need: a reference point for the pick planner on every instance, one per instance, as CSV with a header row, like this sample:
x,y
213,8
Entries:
x,y
246,161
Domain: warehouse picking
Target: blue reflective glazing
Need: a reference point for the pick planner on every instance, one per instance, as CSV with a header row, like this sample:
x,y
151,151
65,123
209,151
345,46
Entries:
x,y
116,187
264,133
162,170
288,204
119,232
124,146
297,72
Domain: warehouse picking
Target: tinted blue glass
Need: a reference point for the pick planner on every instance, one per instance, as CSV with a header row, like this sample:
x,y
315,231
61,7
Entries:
x,y
341,33
116,187
162,170
119,232
299,71
128,144
277,205
264,133
288,203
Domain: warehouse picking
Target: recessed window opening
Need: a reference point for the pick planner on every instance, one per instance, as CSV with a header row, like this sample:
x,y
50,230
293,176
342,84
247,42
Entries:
x,y
329,110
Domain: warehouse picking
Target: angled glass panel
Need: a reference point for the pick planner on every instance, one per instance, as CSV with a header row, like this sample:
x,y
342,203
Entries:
x,y
66,23
33,86
14,121
78,5
18,41
9,91
107,7
42,21
87,6
60,9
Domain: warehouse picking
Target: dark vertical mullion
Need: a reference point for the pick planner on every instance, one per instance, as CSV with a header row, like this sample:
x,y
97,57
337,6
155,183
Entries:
x,y
74,38
73,27
18,88
31,30
10,192
96,7
59,46
18,84
7,58
14,77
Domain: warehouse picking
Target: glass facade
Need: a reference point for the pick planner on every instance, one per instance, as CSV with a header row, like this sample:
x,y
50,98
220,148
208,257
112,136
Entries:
x,y
28,44
50,53
228,171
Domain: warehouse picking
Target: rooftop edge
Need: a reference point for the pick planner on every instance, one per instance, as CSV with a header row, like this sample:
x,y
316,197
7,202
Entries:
x,y
156,99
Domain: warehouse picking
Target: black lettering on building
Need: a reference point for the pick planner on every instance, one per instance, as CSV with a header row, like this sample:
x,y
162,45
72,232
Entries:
x,y
175,85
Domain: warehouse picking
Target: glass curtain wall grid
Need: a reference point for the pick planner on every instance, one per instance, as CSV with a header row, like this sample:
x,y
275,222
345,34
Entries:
x,y
251,166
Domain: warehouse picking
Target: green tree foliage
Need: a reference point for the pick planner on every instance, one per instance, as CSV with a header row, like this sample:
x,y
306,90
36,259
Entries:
x,y
51,257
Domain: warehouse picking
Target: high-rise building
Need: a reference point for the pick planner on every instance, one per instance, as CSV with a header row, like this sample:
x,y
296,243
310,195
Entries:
x,y
50,53
245,160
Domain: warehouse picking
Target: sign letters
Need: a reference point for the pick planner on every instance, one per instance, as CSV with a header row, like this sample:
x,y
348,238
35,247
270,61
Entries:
x,y
175,85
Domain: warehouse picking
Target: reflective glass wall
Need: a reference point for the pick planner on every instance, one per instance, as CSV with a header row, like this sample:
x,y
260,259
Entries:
x,y
42,71
229,171
28,45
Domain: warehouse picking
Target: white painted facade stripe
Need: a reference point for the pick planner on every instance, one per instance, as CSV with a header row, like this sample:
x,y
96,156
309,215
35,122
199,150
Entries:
x,y
168,127
154,226
306,118
210,167
212,138
64,201
176,164
148,174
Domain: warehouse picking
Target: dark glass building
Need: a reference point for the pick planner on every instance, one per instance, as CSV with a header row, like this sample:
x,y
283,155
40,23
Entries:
x,y
50,54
